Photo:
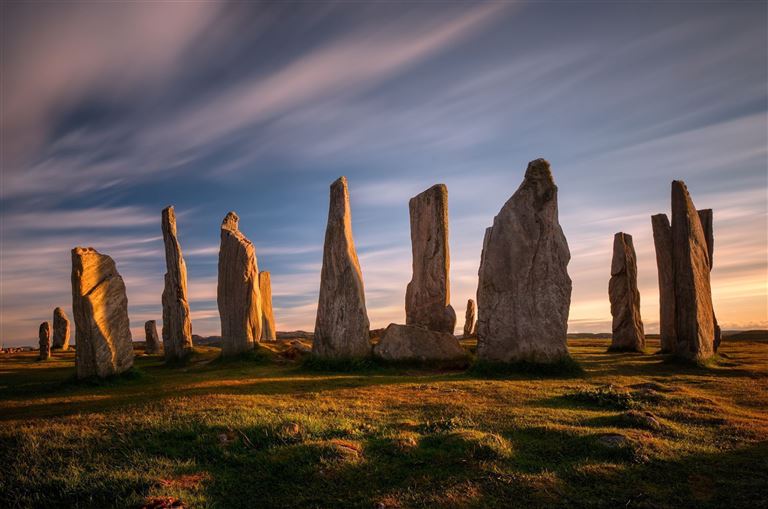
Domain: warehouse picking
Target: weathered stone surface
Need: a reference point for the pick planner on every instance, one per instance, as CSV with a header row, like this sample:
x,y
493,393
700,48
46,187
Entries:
x,y
152,341
707,224
238,290
662,239
104,345
341,326
428,295
694,324
177,325
60,339
417,343
469,318
44,335
627,331
268,331
524,292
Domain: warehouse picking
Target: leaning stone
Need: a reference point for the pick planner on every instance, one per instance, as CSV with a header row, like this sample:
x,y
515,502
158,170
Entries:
x,y
268,331
44,335
238,290
707,224
428,295
177,325
694,323
152,343
417,343
469,318
524,291
104,345
341,326
60,339
662,240
627,331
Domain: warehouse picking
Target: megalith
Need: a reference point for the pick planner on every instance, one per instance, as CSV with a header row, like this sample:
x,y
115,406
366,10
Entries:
x,y
627,330
44,336
238,290
417,343
428,295
524,291
152,341
662,240
60,340
103,340
268,331
707,224
469,318
341,326
177,325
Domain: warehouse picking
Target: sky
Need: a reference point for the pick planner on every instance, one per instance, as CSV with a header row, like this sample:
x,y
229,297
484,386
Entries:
x,y
112,111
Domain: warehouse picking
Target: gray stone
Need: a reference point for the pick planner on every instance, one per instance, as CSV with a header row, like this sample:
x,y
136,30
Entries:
x,y
238,290
44,335
100,310
61,332
524,291
428,295
694,317
341,326
177,325
627,331
707,224
417,343
662,240
152,343
268,331
469,318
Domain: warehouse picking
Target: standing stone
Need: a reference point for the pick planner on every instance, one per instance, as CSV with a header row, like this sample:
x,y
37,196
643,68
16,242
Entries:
x,y
104,345
45,340
177,326
152,342
662,239
60,330
428,296
524,292
341,326
627,332
469,318
707,224
238,290
694,322
268,331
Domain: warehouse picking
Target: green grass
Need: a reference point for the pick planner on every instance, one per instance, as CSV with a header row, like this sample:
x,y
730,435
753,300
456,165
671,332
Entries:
x,y
264,431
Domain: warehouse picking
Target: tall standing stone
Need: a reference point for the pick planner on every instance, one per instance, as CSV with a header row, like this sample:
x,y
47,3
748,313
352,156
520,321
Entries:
x,y
177,326
238,290
694,320
268,331
524,291
341,326
428,295
104,345
469,318
44,335
662,239
60,330
627,330
707,224
151,340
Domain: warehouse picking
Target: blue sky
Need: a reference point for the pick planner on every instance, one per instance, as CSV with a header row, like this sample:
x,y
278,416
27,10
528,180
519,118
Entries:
x,y
111,111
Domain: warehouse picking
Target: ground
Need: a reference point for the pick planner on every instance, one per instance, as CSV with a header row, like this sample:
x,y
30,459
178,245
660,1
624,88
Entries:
x,y
630,431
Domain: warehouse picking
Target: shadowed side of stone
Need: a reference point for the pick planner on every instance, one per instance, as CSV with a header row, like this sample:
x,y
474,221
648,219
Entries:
x,y
662,240
100,310
44,337
627,331
152,343
61,331
341,326
417,343
524,290
177,325
268,332
707,224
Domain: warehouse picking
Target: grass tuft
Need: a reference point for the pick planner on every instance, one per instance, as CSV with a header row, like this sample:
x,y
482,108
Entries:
x,y
608,396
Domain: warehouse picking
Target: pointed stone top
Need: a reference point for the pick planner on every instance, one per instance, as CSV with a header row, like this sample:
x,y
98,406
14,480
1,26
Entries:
x,y
168,210
341,181
538,178
82,250
59,311
230,222
539,171
620,242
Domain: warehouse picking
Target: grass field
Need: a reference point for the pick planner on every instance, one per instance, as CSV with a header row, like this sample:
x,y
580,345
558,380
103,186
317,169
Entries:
x,y
630,431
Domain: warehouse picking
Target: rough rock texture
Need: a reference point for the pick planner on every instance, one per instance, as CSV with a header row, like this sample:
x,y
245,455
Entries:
x,y
694,318
60,339
707,224
268,331
341,326
428,295
177,326
524,292
627,331
662,240
44,334
417,343
152,342
100,308
238,290
469,318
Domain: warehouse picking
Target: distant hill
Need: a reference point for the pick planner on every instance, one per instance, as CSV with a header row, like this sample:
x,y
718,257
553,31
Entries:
x,y
746,335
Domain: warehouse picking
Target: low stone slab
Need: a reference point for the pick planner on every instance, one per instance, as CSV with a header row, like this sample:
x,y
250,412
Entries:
x,y
417,343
